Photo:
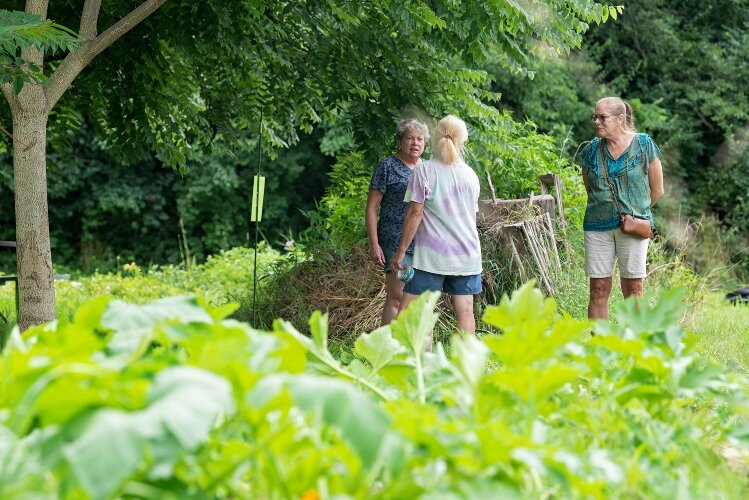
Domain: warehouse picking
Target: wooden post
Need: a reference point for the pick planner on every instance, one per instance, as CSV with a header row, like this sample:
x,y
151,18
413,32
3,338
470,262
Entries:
x,y
552,181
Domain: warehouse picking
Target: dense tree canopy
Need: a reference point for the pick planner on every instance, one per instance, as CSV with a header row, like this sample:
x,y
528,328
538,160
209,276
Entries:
x,y
189,76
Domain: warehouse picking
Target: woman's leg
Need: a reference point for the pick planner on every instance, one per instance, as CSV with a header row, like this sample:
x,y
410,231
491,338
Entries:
x,y
393,297
633,286
598,305
600,252
463,305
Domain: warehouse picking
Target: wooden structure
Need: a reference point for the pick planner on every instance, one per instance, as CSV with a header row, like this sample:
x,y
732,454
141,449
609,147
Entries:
x,y
526,228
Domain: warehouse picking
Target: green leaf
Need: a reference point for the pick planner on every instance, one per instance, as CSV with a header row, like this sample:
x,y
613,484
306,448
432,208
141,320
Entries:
x,y
534,384
318,350
378,347
133,324
638,315
531,328
89,315
361,422
20,475
413,325
184,405
108,452
17,85
469,356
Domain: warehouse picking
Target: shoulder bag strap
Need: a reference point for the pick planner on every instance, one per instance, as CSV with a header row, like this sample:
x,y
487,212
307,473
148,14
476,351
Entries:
x,y
601,147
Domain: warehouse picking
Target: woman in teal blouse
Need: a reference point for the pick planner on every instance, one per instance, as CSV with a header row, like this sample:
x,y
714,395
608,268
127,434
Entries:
x,y
633,167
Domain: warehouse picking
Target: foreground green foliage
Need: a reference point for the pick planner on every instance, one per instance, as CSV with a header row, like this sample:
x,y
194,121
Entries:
x,y
169,399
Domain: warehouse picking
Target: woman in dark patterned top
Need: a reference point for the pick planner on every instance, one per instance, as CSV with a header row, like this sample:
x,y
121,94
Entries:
x,y
386,192
630,163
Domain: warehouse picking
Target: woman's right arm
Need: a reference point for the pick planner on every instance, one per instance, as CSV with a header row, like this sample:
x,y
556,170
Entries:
x,y
655,180
374,199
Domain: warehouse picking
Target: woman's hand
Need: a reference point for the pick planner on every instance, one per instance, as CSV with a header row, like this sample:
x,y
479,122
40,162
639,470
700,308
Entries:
x,y
396,261
375,252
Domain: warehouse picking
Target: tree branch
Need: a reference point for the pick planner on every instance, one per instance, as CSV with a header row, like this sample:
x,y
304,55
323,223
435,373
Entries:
x,y
84,53
89,19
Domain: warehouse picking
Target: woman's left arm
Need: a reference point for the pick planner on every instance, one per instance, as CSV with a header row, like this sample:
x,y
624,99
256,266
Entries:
x,y
655,179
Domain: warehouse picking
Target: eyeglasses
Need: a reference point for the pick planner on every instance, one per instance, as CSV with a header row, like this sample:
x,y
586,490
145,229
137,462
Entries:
x,y
595,118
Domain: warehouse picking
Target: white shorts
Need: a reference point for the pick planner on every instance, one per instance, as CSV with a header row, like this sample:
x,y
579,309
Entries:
x,y
601,247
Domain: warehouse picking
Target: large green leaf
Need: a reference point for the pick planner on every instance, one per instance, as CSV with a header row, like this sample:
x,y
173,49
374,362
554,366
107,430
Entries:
x,y
361,422
378,347
183,406
133,324
532,330
321,359
470,357
413,325
21,476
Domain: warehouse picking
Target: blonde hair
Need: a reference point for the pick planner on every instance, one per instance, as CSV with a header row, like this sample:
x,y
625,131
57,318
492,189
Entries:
x,y
619,107
450,135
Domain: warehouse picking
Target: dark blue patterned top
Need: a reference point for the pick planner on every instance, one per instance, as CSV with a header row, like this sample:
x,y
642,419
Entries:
x,y
629,175
391,179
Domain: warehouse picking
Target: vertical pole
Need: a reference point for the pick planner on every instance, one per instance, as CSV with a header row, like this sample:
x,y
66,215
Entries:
x,y
257,221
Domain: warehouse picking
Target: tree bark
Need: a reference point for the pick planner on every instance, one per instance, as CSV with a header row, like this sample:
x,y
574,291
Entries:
x,y
34,255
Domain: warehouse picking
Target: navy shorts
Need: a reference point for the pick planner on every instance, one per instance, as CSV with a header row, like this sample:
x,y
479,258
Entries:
x,y
454,285
408,260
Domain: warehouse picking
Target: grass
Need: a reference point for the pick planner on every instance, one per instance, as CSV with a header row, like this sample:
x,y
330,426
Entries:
x,y
721,330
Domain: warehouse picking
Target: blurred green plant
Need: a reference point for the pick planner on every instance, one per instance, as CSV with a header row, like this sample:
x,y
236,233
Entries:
x,y
170,399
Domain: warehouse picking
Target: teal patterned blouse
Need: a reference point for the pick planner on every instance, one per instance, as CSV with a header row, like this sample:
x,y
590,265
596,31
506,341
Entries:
x,y
628,173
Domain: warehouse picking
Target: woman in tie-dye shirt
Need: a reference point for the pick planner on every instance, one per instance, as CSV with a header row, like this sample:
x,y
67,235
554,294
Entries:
x,y
443,198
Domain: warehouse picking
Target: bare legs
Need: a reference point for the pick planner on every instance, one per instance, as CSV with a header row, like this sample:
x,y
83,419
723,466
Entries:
x,y
393,298
600,290
463,306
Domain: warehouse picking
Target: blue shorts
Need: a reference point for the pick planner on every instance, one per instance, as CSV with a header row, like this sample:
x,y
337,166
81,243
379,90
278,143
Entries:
x,y
454,285
408,260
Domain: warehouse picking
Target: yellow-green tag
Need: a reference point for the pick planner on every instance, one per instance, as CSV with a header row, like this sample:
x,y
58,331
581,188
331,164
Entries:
x,y
258,191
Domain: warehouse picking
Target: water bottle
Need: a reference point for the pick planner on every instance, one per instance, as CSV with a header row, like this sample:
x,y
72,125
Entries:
x,y
406,274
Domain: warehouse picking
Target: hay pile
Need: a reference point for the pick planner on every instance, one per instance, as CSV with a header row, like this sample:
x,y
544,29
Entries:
x,y
517,244
349,287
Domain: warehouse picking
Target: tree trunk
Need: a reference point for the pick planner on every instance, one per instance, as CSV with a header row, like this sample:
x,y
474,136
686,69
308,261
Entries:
x,y
34,255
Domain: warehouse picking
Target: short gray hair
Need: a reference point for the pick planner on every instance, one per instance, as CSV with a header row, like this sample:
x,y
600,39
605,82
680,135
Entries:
x,y
407,125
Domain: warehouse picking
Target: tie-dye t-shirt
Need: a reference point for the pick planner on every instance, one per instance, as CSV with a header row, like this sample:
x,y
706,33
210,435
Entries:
x,y
447,241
